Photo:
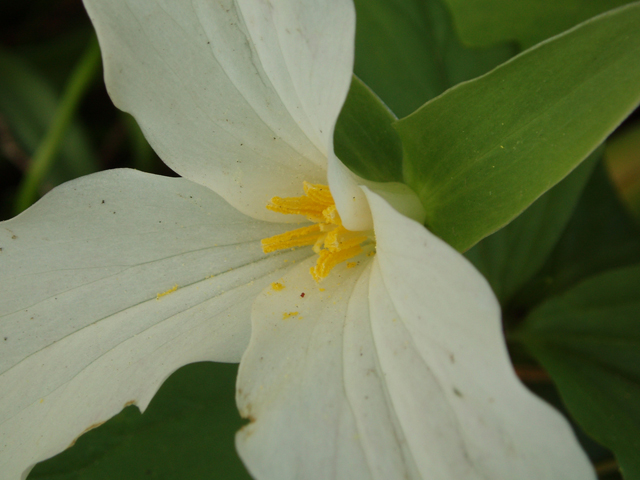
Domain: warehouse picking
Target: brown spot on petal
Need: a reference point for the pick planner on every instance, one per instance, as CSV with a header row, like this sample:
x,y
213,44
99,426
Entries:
x,y
95,425
91,427
245,412
247,429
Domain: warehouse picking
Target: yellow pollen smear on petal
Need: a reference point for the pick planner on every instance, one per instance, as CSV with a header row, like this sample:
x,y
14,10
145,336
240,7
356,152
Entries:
x,y
332,242
171,290
277,286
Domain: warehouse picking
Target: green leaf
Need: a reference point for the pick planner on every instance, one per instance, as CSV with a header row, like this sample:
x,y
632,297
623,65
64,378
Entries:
x,y
600,236
512,255
485,22
364,139
623,160
28,103
186,432
589,341
483,151
408,53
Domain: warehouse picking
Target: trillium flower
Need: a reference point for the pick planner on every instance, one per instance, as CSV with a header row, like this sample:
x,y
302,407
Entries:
x,y
374,350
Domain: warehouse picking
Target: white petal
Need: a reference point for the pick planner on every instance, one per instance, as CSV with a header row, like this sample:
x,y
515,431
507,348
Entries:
x,y
379,432
240,96
82,327
351,201
436,325
290,383
307,48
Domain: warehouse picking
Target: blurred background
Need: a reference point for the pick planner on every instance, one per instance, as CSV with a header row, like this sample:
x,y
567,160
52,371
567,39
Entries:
x,y
56,119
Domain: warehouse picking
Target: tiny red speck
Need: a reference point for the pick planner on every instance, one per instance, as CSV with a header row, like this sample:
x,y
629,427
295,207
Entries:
x,y
302,294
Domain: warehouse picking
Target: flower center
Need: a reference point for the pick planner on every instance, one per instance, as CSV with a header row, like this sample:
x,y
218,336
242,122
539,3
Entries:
x,y
331,241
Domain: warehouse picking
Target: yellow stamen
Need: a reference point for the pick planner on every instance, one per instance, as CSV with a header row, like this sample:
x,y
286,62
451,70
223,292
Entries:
x,y
332,242
318,193
298,206
328,260
295,238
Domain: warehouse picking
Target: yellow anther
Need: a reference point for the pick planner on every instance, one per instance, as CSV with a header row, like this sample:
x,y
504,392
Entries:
x,y
298,206
318,193
328,260
299,237
332,242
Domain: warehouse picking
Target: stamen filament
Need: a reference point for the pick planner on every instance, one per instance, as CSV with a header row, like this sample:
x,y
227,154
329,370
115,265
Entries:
x,y
341,238
317,247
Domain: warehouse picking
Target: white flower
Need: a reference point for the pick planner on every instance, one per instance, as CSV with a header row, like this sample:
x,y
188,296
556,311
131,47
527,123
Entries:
x,y
395,368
